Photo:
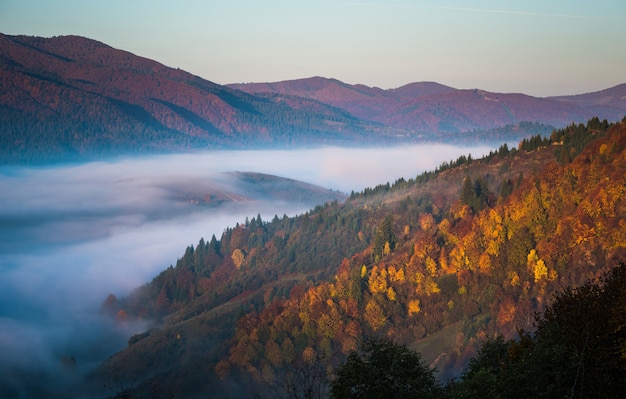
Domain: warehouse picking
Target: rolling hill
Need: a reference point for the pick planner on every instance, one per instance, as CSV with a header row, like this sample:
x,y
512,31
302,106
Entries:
x,y
431,108
249,189
70,98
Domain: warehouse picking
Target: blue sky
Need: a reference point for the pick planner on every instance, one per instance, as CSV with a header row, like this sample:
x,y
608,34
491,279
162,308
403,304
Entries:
x,y
536,47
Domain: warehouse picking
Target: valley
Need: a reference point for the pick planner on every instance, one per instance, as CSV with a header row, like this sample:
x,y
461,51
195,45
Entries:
x,y
73,234
423,262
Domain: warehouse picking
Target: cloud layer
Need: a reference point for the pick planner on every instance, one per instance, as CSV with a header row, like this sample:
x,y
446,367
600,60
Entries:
x,y
71,235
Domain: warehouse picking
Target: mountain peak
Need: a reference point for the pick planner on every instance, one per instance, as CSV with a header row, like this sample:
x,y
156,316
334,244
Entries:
x,y
418,89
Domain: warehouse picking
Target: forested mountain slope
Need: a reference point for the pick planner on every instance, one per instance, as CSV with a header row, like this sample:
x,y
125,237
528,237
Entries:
x,y
483,266
70,97
439,263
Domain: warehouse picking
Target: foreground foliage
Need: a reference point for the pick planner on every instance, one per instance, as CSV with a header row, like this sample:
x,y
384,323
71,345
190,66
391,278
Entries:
x,y
578,350
382,370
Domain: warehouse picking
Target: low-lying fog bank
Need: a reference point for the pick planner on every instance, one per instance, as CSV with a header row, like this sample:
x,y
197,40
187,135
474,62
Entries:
x,y
71,235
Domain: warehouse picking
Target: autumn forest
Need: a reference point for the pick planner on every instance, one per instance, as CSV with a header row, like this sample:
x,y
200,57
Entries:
x,y
480,272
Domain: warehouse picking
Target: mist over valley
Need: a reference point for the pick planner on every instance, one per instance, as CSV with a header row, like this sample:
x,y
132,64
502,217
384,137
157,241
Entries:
x,y
70,235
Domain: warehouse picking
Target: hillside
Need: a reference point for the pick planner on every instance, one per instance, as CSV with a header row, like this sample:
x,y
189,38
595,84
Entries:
x,y
431,108
438,263
611,101
72,97
250,189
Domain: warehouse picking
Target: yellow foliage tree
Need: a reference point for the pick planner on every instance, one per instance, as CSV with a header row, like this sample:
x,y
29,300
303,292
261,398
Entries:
x,y
515,280
238,257
417,278
407,230
391,272
532,259
377,282
414,307
431,286
391,294
537,266
374,315
541,271
458,259
431,266
426,221
493,232
443,261
484,263
400,277
387,249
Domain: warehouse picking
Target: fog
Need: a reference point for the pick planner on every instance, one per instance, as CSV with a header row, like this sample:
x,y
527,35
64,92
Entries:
x,y
70,235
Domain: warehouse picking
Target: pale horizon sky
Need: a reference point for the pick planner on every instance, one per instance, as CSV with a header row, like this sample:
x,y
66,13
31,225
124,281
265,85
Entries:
x,y
541,48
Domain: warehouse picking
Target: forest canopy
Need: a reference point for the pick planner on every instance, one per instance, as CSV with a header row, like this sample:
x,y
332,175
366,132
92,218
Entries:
x,y
453,264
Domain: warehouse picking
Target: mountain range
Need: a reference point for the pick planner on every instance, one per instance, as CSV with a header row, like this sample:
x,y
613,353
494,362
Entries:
x,y
70,97
431,108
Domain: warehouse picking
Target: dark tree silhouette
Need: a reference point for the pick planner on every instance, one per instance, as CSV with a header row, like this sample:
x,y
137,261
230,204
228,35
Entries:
x,y
381,370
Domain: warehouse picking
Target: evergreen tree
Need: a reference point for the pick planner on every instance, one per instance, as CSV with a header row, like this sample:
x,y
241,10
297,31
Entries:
x,y
384,236
467,191
475,194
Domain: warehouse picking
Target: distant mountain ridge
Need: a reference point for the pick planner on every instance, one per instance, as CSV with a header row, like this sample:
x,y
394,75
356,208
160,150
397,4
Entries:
x,y
612,99
69,97
432,108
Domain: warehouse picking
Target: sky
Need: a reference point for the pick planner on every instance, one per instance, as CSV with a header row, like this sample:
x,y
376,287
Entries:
x,y
536,47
